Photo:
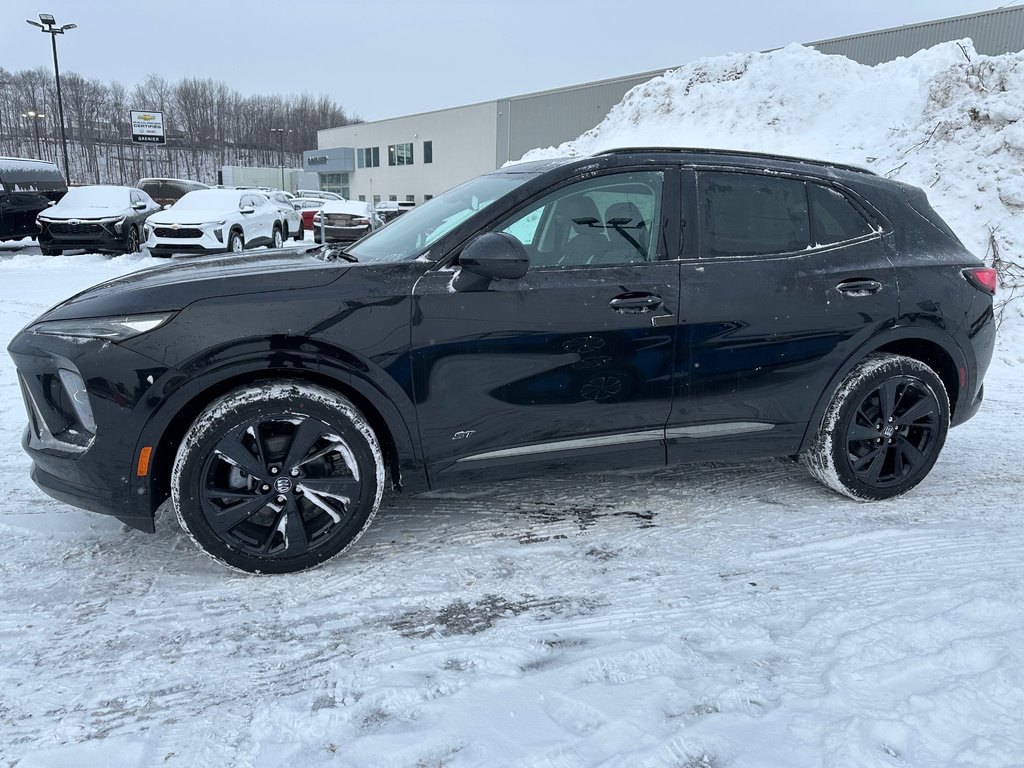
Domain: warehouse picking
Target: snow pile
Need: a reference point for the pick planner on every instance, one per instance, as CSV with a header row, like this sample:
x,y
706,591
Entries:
x,y
946,119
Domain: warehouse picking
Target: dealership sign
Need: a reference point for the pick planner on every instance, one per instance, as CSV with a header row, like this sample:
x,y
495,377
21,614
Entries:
x,y
147,127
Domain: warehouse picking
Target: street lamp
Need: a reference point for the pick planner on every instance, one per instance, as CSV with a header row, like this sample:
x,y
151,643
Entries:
x,y
35,117
49,25
281,132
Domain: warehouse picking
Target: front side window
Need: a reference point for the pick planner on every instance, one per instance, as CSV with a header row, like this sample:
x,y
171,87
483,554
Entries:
x,y
744,214
604,221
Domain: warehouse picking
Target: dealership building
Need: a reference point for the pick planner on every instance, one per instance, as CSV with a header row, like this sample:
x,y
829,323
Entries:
x,y
418,156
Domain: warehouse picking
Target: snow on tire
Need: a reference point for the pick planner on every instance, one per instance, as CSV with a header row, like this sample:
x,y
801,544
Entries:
x,y
883,430
277,477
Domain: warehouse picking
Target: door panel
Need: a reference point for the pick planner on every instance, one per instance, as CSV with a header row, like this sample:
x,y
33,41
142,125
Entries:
x,y
574,359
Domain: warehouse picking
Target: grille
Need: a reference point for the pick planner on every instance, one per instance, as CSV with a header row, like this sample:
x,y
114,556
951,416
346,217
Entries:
x,y
179,233
63,228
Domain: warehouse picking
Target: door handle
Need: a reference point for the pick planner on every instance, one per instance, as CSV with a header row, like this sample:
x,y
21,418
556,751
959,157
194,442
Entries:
x,y
639,301
859,287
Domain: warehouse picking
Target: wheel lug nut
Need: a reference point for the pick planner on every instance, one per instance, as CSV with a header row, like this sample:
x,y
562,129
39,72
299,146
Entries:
x,y
890,419
273,470
281,499
878,427
265,488
294,473
298,491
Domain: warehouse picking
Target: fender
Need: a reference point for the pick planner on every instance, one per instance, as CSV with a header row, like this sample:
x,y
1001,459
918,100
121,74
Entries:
x,y
357,381
947,343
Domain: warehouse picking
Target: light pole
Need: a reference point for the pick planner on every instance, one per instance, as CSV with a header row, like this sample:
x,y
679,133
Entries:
x,y
281,132
50,25
35,117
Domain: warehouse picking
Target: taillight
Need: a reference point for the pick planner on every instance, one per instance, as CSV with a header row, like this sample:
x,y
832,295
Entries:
x,y
982,278
360,222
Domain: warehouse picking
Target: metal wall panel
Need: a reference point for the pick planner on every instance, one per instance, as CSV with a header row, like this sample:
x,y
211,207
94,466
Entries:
x,y
993,33
550,117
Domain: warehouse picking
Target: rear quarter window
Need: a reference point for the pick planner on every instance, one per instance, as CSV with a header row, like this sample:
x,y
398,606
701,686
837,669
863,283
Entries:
x,y
833,217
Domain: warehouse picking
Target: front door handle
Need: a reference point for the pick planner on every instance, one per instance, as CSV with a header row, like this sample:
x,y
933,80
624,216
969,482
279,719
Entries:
x,y
859,287
636,301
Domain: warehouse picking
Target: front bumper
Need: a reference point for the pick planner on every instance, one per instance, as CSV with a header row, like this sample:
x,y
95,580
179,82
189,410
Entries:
x,y
91,236
189,239
70,463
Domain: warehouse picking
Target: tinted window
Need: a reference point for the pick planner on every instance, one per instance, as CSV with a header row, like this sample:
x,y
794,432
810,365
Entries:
x,y
602,221
834,218
746,214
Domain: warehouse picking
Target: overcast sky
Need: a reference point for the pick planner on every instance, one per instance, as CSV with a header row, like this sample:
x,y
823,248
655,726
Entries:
x,y
382,59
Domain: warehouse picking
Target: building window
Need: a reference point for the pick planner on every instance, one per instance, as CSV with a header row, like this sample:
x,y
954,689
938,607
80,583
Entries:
x,y
410,198
393,198
335,182
376,199
427,197
362,198
368,157
400,154
428,151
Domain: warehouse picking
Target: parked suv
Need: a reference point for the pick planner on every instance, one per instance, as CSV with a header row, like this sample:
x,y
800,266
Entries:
x,y
625,309
101,218
26,188
214,221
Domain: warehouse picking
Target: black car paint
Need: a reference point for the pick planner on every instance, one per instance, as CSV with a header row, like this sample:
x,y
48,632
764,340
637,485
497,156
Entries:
x,y
450,377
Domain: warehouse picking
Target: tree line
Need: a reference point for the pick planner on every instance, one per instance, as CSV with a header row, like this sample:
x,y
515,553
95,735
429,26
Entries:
x,y
207,123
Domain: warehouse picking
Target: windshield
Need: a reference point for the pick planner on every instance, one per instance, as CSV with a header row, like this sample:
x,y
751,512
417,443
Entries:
x,y
208,199
408,235
96,197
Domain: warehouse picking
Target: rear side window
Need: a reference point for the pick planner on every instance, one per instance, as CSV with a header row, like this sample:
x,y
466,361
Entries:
x,y
745,214
833,217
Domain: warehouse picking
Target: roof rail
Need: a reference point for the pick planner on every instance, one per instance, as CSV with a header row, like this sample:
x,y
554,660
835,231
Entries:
x,y
738,153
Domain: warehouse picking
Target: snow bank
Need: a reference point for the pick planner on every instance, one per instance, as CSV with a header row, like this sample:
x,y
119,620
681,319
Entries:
x,y
946,119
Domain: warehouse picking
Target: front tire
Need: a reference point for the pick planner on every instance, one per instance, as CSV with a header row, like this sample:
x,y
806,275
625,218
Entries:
x,y
277,477
883,431
131,241
50,251
236,243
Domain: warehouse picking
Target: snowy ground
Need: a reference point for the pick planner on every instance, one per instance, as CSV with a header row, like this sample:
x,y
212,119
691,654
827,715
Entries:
x,y
695,617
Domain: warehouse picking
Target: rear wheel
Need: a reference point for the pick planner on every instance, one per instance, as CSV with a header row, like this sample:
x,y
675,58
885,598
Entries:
x,y
277,477
883,431
276,237
301,233
51,251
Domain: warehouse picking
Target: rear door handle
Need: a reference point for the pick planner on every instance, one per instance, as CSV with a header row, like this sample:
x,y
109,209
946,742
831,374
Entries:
x,y
636,301
859,287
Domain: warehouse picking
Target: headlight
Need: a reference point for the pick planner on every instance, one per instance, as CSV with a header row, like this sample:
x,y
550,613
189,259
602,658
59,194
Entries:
x,y
113,328
119,225
149,231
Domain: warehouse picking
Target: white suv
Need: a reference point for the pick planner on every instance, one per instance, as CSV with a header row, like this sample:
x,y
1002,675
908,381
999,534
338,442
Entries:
x,y
214,221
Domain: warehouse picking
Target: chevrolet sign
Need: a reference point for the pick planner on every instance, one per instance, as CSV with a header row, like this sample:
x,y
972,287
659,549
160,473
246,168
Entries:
x,y
147,127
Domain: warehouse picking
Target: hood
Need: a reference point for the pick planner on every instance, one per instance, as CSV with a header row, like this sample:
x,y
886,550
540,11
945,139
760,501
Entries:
x,y
63,213
198,216
183,281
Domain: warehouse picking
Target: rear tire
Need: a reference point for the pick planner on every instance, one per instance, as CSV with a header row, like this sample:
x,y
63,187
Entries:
x,y
883,431
277,477
276,239
50,251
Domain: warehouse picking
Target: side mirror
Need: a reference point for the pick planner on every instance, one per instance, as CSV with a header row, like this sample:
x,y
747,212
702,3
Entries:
x,y
168,205
139,206
491,256
51,203
247,209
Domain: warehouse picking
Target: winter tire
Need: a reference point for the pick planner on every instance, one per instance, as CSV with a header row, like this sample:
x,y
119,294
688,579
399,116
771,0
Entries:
x,y
50,251
131,241
883,430
277,477
236,243
278,241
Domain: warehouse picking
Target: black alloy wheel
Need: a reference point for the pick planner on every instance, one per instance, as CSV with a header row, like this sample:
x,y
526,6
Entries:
x,y
277,479
883,431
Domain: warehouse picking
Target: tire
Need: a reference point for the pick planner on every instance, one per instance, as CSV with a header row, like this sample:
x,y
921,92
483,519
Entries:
x,y
244,477
50,251
301,233
276,239
883,431
236,243
131,241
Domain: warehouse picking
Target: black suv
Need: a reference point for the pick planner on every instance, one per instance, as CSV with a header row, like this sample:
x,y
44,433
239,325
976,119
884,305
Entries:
x,y
632,308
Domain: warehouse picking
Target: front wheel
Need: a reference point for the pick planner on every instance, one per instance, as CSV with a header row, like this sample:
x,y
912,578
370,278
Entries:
x,y
883,431
50,251
131,242
277,477
236,243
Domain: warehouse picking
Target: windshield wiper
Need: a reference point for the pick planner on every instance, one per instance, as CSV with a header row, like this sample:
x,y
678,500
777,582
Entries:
x,y
338,253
